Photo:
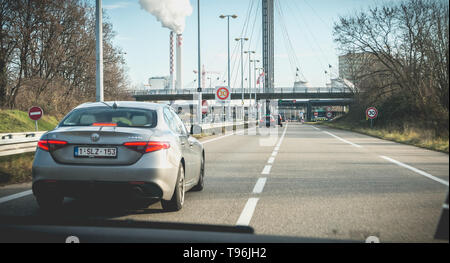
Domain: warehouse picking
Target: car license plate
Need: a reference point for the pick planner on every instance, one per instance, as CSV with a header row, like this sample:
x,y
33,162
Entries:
x,y
96,152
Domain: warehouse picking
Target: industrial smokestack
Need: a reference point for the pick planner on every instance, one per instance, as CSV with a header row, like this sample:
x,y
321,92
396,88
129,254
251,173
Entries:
x,y
171,64
179,61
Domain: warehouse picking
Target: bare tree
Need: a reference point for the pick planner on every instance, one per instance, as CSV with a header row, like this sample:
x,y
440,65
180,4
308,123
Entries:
x,y
409,44
47,55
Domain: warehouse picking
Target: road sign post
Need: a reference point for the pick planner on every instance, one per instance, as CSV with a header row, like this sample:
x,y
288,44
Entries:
x,y
223,95
371,113
35,113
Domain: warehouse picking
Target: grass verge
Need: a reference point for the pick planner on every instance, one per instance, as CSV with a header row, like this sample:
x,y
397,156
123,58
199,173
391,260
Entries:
x,y
416,137
16,168
18,121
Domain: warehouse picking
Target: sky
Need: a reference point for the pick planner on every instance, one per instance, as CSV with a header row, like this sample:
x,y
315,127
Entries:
x,y
308,23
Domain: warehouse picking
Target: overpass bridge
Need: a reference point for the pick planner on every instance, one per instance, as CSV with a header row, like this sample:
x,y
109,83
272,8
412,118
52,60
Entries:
x,y
305,97
236,94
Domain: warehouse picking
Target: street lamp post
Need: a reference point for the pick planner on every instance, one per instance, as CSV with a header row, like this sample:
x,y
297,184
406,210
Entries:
x,y
254,74
256,103
254,77
242,39
228,41
228,29
199,77
99,51
249,52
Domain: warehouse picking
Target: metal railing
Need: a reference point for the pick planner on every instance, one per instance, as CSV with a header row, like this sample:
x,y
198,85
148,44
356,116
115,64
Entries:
x,y
18,142
252,91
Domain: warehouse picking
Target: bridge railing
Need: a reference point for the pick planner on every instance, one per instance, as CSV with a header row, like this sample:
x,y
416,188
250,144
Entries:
x,y
258,91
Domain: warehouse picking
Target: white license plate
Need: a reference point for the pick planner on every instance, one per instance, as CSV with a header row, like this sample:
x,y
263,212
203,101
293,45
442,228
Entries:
x,y
96,152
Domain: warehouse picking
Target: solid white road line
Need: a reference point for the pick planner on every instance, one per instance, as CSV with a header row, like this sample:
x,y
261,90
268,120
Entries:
x,y
343,140
271,159
266,169
274,153
247,213
217,138
224,136
15,196
259,186
315,128
415,170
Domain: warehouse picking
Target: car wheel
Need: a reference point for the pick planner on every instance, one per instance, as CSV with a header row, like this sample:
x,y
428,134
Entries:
x,y
177,201
200,183
49,202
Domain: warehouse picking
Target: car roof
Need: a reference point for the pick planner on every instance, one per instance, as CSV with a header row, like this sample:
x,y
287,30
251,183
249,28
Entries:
x,y
129,104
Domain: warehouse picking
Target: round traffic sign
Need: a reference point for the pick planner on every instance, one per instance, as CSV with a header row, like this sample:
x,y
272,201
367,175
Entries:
x,y
329,114
35,113
222,93
371,112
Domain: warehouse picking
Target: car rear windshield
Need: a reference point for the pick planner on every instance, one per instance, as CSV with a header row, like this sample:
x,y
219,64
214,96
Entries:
x,y
103,116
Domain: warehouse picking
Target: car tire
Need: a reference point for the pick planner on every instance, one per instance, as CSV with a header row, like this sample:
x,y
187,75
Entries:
x,y
177,200
200,184
49,202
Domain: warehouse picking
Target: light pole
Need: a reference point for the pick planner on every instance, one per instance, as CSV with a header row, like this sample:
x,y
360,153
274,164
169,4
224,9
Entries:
x,y
98,51
228,29
228,41
199,77
249,52
257,112
242,39
254,75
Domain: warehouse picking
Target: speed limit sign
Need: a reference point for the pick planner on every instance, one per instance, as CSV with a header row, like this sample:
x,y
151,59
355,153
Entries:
x,y
371,113
222,94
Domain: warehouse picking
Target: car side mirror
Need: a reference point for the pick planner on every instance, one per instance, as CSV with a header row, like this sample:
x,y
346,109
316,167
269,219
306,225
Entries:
x,y
196,129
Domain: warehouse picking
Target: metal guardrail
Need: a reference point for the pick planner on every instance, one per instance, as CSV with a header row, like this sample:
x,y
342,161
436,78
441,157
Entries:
x,y
252,91
18,142
20,137
22,142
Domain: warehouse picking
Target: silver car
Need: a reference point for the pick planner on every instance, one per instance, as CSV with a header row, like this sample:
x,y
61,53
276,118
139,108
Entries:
x,y
135,149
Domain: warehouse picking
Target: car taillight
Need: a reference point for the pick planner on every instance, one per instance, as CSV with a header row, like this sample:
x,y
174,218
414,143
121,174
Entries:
x,y
51,145
146,147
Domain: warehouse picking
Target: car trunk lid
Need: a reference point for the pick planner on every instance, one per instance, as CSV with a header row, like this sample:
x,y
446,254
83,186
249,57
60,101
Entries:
x,y
89,145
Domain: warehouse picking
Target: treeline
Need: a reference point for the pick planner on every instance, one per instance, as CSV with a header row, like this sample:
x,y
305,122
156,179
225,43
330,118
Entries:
x,y
47,55
398,57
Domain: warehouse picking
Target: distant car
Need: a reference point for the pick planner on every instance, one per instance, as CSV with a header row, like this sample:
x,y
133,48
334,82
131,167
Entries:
x,y
134,149
262,121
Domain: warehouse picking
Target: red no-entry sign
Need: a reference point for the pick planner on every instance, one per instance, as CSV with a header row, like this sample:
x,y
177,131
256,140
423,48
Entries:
x,y
204,106
35,113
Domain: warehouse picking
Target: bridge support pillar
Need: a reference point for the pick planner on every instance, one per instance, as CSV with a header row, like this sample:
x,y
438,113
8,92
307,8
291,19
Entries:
x,y
308,111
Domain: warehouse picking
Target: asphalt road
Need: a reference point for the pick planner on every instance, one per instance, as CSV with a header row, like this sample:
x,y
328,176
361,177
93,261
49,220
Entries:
x,y
299,180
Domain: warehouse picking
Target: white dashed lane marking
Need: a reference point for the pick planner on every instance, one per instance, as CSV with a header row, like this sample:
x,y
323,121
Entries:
x,y
259,186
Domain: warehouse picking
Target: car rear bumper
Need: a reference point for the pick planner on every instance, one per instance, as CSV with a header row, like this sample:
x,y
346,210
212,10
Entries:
x,y
154,175
81,189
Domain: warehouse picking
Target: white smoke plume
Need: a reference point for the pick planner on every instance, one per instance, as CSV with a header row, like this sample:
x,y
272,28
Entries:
x,y
171,13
